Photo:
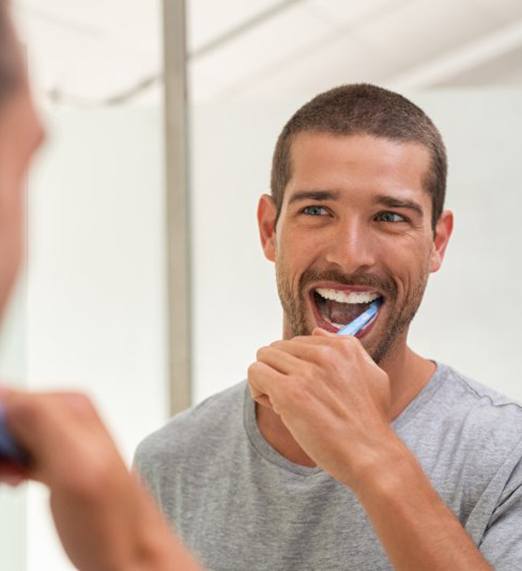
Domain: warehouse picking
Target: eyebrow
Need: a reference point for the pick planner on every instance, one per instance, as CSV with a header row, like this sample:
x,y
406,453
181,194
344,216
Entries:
x,y
314,195
393,202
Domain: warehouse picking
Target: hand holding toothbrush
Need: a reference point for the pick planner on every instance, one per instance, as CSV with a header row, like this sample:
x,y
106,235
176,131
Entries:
x,y
331,396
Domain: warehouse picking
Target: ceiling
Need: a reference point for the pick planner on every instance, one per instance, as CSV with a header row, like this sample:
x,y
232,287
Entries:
x,y
110,51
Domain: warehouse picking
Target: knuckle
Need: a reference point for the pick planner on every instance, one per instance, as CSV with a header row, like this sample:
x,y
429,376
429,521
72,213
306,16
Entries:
x,y
261,352
348,341
325,352
348,346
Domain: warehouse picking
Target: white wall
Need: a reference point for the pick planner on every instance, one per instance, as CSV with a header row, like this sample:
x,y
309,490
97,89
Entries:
x,y
471,313
96,289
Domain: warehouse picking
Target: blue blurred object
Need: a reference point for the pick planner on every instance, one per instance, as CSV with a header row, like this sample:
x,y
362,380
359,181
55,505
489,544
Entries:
x,y
9,450
358,323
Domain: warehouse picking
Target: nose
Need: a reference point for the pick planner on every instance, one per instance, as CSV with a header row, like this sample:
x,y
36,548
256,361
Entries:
x,y
351,247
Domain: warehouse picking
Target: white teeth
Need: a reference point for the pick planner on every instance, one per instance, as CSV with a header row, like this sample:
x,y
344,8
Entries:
x,y
344,297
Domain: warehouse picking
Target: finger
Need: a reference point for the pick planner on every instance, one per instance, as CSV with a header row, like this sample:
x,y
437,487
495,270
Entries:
x,y
263,400
345,343
303,351
279,359
263,381
316,350
320,337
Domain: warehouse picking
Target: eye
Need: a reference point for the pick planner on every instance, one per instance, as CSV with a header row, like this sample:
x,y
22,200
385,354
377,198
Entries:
x,y
314,211
392,217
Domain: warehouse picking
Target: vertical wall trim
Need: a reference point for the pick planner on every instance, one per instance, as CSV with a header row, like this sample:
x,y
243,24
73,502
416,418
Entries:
x,y
177,204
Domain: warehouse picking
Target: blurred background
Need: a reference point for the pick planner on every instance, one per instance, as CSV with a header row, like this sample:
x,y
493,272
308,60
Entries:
x,y
145,283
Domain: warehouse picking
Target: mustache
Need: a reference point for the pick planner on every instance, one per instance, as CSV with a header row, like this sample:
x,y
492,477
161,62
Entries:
x,y
386,286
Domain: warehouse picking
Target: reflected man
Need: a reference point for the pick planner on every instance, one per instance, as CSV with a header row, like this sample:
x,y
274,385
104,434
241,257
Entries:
x,y
348,452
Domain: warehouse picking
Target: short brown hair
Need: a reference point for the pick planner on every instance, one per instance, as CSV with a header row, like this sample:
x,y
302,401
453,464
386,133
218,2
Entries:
x,y
363,109
10,64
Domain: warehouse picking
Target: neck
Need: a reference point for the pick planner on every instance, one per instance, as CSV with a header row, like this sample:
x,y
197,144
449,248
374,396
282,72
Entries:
x,y
408,374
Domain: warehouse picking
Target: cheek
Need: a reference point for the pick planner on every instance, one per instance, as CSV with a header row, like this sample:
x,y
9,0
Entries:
x,y
295,256
408,265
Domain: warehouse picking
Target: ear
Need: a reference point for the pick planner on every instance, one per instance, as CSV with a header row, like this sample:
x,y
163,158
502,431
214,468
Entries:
x,y
443,230
266,220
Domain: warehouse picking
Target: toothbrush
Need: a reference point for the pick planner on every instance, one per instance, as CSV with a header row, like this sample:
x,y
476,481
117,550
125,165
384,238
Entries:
x,y
9,449
359,322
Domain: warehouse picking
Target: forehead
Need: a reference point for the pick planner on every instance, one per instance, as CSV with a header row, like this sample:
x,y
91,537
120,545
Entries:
x,y
364,162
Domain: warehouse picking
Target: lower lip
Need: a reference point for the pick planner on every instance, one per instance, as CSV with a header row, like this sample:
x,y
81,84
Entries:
x,y
323,324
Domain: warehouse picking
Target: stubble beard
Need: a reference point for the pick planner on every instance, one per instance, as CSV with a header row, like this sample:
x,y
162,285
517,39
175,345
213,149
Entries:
x,y
399,317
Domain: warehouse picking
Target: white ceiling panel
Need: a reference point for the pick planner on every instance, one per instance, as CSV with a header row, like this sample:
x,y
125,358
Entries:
x,y
502,10
281,39
208,19
342,13
325,65
90,51
504,70
421,30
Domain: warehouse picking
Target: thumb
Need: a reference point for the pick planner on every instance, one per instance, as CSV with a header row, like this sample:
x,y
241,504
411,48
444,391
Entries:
x,y
318,332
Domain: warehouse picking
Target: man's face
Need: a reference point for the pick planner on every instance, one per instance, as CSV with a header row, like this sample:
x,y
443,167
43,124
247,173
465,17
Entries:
x,y
355,225
20,135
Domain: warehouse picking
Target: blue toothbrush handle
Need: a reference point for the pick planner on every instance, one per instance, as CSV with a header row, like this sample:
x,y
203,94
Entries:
x,y
359,322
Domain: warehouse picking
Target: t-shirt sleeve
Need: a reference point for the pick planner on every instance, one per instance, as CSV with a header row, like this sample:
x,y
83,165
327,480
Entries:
x,y
143,465
501,543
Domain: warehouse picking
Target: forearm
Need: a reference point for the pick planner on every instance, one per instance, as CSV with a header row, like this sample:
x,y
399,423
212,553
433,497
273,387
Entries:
x,y
417,530
156,547
105,518
120,528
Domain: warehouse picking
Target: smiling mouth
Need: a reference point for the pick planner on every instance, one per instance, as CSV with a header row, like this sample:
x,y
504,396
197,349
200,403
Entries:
x,y
335,308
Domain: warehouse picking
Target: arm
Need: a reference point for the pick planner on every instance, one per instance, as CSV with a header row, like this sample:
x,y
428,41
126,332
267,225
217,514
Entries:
x,y
104,517
335,402
417,530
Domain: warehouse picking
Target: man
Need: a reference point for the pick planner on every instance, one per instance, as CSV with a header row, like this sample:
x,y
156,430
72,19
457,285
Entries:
x,y
106,521
342,452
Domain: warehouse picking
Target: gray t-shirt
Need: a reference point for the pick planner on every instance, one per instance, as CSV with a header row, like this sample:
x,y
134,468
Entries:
x,y
240,505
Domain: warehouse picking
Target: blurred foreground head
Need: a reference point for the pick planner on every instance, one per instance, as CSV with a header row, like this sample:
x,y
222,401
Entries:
x,y
20,135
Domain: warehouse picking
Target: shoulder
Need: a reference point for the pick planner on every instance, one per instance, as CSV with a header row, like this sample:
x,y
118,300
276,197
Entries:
x,y
480,397
480,413
195,429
